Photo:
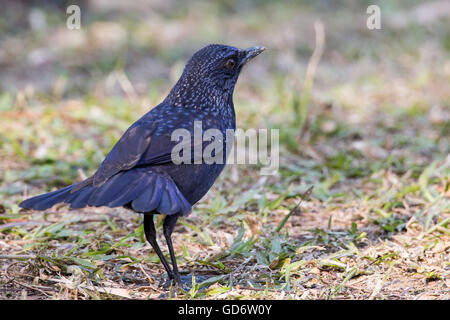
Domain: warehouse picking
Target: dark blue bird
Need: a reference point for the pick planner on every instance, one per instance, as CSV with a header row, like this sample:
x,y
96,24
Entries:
x,y
139,172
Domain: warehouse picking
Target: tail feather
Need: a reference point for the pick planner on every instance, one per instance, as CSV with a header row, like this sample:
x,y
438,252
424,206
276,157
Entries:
x,y
47,200
80,198
169,202
110,190
185,205
136,188
149,199
143,190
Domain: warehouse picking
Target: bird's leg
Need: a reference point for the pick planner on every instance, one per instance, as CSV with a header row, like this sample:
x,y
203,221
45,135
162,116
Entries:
x,y
168,226
150,234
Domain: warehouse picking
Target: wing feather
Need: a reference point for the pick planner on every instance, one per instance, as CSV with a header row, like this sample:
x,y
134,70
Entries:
x,y
125,154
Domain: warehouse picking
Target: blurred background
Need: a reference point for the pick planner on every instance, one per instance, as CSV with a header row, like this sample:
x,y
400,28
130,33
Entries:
x,y
366,120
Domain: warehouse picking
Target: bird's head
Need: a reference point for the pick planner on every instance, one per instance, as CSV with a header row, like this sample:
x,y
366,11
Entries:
x,y
212,72
220,64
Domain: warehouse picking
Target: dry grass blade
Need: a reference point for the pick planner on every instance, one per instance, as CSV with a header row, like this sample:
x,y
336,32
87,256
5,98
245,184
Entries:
x,y
380,284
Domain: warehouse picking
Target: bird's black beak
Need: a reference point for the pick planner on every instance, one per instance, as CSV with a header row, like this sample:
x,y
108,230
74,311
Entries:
x,y
250,53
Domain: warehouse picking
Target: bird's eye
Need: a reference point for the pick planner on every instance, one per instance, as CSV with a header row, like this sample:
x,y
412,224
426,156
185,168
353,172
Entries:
x,y
230,64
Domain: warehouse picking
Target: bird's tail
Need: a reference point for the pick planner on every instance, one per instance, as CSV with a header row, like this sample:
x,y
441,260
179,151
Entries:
x,y
141,189
47,200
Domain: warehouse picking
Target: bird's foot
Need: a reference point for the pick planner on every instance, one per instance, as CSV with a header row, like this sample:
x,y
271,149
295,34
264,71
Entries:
x,y
183,282
173,280
172,283
186,282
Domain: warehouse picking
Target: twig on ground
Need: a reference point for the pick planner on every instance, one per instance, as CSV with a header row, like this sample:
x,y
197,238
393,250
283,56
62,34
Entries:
x,y
12,279
238,269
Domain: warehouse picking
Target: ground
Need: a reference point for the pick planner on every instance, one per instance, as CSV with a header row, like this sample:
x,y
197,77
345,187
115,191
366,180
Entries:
x,y
364,119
